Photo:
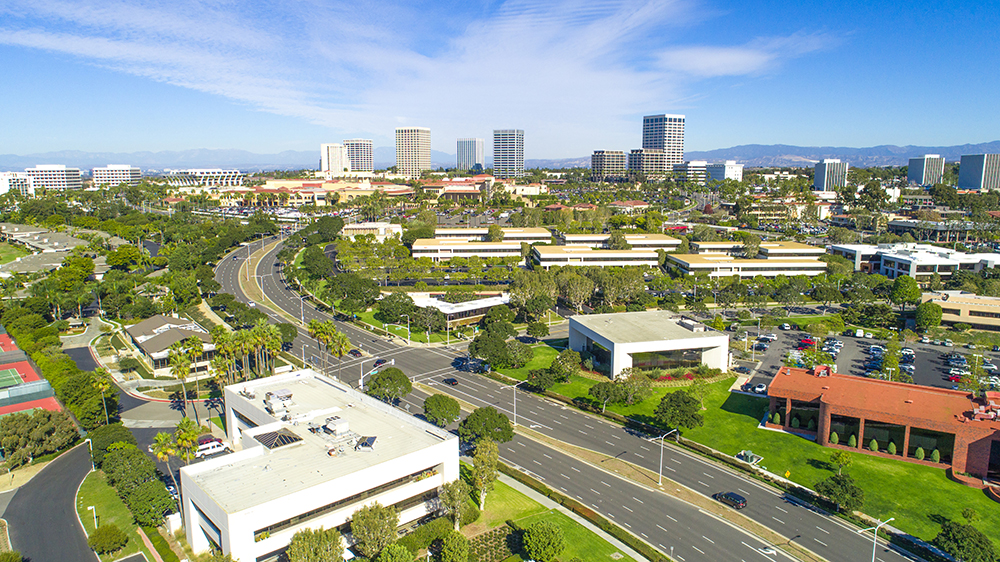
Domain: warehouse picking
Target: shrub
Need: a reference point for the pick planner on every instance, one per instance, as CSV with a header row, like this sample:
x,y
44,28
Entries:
x,y
853,441
873,445
13,556
795,422
919,454
455,548
107,538
776,418
102,437
811,426
935,456
544,541
427,534
891,448
834,438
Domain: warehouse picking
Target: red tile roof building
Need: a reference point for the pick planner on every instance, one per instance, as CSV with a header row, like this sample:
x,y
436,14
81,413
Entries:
x,y
963,427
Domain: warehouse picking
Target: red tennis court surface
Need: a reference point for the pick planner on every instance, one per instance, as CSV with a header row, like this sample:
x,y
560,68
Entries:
x,y
50,404
24,369
7,344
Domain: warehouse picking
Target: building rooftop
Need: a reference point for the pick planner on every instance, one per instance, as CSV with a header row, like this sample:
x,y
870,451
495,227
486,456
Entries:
x,y
652,325
453,308
305,453
788,245
588,251
434,242
963,297
696,259
889,399
485,230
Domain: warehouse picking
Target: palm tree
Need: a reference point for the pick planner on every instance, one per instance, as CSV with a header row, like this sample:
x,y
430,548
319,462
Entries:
x,y
180,368
318,331
339,344
102,382
272,343
186,439
195,349
163,448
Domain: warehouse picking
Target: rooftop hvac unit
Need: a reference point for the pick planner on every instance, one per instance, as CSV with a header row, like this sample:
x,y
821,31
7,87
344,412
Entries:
x,y
337,426
275,406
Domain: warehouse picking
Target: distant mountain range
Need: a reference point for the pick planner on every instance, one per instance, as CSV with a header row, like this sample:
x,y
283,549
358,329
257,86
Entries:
x,y
751,155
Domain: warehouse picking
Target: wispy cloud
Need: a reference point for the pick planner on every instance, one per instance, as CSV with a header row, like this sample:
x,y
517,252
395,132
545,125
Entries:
x,y
561,69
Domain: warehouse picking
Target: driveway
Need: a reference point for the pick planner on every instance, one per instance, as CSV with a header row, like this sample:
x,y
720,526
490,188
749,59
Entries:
x,y
41,517
82,357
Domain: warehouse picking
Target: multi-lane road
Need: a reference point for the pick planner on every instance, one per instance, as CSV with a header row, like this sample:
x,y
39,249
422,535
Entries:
x,y
663,521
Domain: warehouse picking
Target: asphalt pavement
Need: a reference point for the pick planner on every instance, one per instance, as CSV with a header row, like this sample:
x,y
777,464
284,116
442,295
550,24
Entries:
x,y
823,534
41,517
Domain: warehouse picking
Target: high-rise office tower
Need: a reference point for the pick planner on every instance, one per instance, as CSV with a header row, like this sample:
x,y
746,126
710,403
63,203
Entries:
x,y
979,171
413,150
665,132
608,163
360,154
333,158
114,175
647,161
508,153
830,174
470,155
925,170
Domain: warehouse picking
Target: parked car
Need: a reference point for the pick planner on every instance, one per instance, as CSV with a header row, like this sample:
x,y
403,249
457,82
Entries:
x,y
786,327
954,378
959,372
354,353
949,343
732,499
760,389
211,449
742,369
925,339
207,438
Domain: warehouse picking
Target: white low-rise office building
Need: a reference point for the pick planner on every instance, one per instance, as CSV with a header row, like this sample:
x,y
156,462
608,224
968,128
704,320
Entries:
x,y
55,176
446,248
114,175
920,261
552,256
529,234
311,452
729,266
380,230
657,339
637,241
19,182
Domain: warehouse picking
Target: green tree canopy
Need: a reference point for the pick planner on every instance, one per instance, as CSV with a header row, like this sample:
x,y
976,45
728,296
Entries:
x,y
544,541
441,410
928,315
904,291
679,410
316,545
842,490
484,468
374,528
966,543
486,422
389,385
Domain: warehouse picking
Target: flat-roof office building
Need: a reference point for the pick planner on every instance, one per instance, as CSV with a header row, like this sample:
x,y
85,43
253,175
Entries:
x,y
56,176
925,170
114,175
831,173
314,451
656,339
360,154
413,150
721,171
608,164
979,171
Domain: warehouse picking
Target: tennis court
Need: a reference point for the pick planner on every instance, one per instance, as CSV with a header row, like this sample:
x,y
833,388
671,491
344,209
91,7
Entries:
x,y
10,377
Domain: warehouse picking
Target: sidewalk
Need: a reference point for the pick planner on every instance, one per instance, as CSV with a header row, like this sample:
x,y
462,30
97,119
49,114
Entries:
x,y
549,504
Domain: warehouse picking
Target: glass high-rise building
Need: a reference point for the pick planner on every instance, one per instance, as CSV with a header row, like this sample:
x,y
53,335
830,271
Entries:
x,y
361,154
979,171
831,173
508,153
413,150
470,155
665,132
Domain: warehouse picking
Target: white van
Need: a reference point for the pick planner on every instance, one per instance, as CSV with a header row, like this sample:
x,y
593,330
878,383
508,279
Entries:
x,y
211,449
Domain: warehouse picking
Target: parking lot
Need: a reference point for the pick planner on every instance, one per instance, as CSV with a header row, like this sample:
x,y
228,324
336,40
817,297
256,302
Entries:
x,y
929,359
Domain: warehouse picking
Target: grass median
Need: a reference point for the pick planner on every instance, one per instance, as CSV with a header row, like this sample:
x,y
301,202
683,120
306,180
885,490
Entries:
x,y
95,491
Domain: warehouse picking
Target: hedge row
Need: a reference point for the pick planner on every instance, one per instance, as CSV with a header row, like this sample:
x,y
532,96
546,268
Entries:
x,y
160,544
425,535
615,531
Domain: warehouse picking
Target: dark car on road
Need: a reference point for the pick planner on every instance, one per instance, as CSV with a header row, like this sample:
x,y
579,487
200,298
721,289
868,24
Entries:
x,y
380,362
732,499
354,353
452,382
742,369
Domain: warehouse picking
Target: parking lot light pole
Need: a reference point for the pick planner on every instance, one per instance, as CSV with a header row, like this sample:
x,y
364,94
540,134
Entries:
x,y
662,437
92,508
875,535
407,328
514,387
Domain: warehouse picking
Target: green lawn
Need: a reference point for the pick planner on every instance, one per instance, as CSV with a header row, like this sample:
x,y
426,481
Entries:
x,y
505,503
544,354
96,492
9,253
917,496
368,317
580,542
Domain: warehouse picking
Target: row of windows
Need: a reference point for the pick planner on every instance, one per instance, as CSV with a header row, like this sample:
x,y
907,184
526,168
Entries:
x,y
984,314
331,507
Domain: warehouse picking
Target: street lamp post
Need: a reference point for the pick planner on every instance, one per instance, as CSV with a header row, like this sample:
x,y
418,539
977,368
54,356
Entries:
x,y
662,437
407,328
514,387
875,535
92,508
361,383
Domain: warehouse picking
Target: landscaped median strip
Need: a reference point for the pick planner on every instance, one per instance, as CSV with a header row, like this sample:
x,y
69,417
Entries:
x,y
647,478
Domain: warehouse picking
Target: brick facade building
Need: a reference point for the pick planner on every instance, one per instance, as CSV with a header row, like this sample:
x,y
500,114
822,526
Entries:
x,y
961,426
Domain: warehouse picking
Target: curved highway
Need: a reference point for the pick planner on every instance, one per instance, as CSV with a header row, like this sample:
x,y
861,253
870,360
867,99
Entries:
x,y
661,520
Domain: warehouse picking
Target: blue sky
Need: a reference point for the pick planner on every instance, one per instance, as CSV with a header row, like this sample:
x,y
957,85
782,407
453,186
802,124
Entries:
x,y
107,75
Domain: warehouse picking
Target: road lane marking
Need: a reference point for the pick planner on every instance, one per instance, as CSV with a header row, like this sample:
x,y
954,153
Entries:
x,y
778,508
778,520
626,507
575,468
670,469
708,539
564,476
582,431
707,474
638,455
703,484
590,426
821,542
662,529
670,518
536,462
748,493
824,530
610,443
605,483
637,499
698,549
615,436
675,460
644,448
546,456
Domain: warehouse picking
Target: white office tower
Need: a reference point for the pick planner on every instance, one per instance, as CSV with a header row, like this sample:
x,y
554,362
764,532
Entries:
x,y
693,171
728,170
413,150
470,155
665,132
979,171
647,161
55,177
925,170
333,158
114,175
360,154
508,153
831,173
608,163
20,182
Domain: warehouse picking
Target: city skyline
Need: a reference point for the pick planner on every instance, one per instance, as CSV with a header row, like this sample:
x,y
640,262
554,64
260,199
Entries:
x,y
190,75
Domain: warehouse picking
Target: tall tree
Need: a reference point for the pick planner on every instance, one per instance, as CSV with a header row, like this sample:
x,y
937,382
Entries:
x,y
904,291
374,528
486,423
484,468
679,410
454,498
315,545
